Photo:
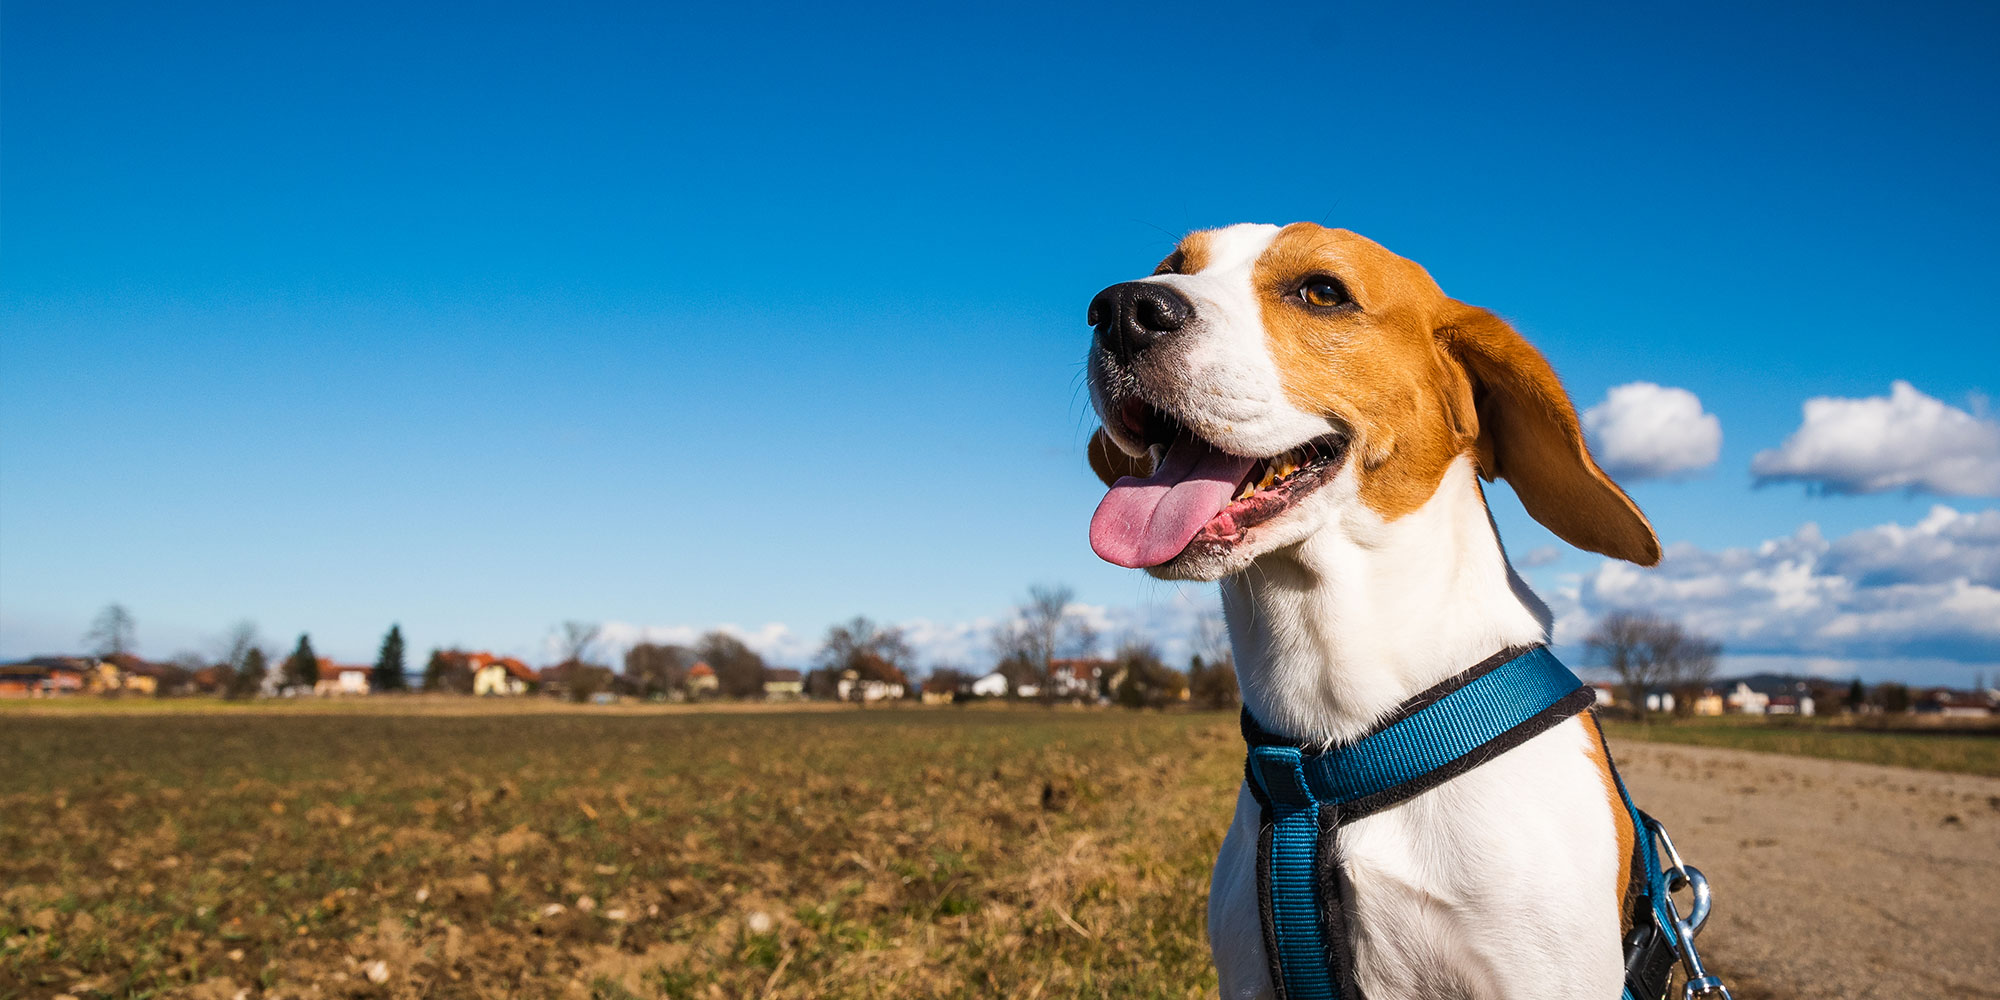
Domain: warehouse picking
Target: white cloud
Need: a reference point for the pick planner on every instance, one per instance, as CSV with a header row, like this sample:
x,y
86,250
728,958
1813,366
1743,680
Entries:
x,y
1903,441
1928,591
1545,555
1647,431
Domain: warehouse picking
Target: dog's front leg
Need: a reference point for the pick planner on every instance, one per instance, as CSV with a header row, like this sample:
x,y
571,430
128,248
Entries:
x,y
1235,930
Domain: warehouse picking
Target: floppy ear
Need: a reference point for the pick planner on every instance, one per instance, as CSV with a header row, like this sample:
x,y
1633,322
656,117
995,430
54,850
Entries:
x,y
1529,436
1110,461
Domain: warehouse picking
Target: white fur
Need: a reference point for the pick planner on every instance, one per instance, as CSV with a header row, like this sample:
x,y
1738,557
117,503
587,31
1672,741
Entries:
x,y
1499,883
1502,881
1215,374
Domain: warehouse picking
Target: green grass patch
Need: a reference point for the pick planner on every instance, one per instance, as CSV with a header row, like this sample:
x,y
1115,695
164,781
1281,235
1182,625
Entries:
x,y
1964,749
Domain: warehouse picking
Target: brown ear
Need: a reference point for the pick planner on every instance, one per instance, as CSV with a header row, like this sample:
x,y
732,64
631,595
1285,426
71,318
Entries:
x,y
1529,436
1110,461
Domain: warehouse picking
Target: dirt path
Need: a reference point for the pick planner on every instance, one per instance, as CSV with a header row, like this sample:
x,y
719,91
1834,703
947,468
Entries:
x,y
1834,879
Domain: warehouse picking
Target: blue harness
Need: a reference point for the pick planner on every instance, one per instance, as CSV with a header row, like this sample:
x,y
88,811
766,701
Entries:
x,y
1452,728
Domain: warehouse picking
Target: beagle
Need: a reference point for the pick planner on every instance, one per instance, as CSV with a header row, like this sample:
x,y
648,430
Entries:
x,y
1305,417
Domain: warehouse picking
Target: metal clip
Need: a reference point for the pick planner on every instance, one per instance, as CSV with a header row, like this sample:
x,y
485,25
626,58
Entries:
x,y
1680,874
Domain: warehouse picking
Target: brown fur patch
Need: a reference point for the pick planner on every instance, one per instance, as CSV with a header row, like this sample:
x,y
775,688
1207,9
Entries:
x,y
1621,821
1376,367
1529,435
1190,257
1421,378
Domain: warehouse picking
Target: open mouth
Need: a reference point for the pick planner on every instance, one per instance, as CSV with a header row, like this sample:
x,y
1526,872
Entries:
x,y
1199,495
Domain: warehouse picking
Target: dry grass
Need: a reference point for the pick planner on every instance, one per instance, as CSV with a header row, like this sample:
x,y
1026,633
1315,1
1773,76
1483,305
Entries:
x,y
454,848
940,854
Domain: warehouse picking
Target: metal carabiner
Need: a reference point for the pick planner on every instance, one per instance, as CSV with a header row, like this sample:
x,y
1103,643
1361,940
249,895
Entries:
x,y
1680,874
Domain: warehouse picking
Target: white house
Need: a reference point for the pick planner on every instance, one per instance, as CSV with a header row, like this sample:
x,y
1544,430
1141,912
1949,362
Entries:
x,y
499,675
993,685
1747,701
852,687
342,678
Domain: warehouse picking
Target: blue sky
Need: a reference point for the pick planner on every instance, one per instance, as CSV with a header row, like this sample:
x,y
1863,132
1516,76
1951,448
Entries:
x,y
484,318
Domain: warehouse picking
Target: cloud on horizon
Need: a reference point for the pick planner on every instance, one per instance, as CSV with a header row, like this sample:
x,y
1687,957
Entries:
x,y
1923,592
1903,441
1647,431
1917,602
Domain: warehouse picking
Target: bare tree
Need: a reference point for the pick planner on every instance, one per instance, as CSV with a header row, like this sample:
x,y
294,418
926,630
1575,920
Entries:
x,y
1211,640
1144,681
1044,628
111,631
1689,666
873,652
657,670
739,671
577,639
234,646
1648,652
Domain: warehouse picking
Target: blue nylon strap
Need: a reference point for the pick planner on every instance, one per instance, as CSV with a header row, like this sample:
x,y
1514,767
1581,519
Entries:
x,y
1453,732
1292,870
1443,732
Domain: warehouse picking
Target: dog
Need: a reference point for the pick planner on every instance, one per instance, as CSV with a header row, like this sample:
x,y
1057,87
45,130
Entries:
x,y
1305,417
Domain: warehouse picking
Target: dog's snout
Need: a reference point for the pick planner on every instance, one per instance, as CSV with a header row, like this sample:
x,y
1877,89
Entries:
x,y
1130,316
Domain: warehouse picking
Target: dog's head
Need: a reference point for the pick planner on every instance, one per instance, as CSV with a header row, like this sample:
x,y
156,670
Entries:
x,y
1266,383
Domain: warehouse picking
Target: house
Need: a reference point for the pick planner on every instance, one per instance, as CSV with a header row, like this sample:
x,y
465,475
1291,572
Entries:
x,y
46,676
1709,702
1747,701
1605,694
1659,701
1950,704
993,685
134,675
499,675
853,687
1789,704
702,679
940,690
782,684
342,678
1078,678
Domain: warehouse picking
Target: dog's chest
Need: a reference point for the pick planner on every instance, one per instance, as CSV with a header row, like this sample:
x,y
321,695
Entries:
x,y
1476,888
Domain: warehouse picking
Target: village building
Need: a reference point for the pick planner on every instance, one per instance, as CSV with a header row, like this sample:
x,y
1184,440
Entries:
x,y
499,676
940,690
993,685
342,678
853,687
1747,701
1950,704
702,680
784,684
1079,678
46,676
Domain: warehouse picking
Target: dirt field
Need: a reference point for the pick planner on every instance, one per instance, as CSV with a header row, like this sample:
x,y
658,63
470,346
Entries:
x,y
847,854
1834,879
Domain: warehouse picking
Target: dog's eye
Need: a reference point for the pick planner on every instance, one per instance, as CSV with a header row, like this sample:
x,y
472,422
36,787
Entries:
x,y
1324,291
1172,265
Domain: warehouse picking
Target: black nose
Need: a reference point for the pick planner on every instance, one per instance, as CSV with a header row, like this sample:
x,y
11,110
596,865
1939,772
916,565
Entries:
x,y
1129,317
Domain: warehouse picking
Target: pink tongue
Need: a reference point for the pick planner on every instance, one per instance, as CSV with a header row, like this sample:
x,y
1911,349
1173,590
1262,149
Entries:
x,y
1145,522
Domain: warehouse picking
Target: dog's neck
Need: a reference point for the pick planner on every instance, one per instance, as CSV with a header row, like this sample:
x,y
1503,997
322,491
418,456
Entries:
x,y
1333,633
